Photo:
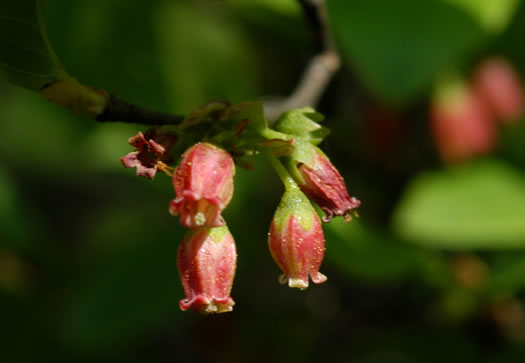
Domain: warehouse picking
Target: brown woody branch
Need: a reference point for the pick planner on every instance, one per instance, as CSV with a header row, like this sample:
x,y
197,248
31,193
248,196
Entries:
x,y
119,110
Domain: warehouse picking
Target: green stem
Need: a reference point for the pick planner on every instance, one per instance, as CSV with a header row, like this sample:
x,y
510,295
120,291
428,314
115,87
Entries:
x,y
287,180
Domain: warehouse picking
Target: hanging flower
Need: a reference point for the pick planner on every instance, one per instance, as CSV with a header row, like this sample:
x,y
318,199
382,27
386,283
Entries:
x,y
203,185
296,240
206,261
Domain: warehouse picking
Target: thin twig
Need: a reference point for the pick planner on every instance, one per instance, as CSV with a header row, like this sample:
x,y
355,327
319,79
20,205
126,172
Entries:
x,y
119,110
319,72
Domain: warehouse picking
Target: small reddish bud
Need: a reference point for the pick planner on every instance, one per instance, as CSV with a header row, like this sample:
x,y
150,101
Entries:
x,y
321,182
296,240
203,185
206,261
498,85
461,123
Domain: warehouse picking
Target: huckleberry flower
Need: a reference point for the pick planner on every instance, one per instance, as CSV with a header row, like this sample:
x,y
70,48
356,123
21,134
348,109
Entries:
x,y
206,261
203,185
150,150
321,182
296,240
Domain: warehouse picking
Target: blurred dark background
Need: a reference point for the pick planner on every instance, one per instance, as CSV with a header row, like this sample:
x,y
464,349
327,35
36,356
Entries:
x,y
432,271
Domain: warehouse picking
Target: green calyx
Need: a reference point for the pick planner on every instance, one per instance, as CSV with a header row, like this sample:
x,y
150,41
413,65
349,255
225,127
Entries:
x,y
303,153
217,234
303,122
294,203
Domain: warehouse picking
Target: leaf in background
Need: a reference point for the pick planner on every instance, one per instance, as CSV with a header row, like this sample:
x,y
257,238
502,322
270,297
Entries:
x,y
364,253
283,6
476,206
215,62
26,58
14,233
507,274
494,16
130,292
397,47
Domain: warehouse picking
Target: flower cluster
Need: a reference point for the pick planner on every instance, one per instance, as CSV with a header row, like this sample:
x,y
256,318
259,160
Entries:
x,y
203,184
207,257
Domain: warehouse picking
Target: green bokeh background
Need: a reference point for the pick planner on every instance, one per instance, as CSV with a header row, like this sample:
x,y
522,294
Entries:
x,y
432,271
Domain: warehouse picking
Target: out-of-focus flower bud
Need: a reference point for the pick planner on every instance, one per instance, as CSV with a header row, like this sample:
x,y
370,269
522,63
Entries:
x,y
203,185
320,181
461,124
498,85
296,240
206,261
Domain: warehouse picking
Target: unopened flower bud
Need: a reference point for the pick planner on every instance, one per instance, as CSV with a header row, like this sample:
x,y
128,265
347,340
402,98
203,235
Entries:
x,y
320,181
206,261
296,240
203,185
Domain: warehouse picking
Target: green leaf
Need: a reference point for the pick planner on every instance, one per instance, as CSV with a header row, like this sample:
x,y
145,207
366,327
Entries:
x,y
289,7
507,275
26,58
476,206
398,47
494,16
129,292
303,122
362,252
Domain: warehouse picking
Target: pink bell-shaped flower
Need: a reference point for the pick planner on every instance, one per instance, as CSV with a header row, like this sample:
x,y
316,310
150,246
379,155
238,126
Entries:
x,y
203,185
296,240
206,261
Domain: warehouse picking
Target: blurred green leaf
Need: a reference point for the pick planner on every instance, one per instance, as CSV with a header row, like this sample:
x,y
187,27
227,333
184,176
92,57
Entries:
x,y
511,143
494,16
131,291
397,47
26,57
290,7
507,274
215,62
366,253
12,229
479,205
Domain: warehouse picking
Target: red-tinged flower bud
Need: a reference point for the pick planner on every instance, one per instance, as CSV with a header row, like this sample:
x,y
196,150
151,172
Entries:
x,y
462,125
498,85
320,181
296,240
206,261
203,185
